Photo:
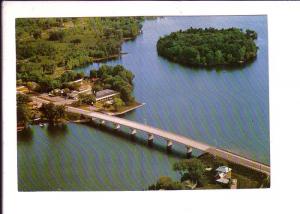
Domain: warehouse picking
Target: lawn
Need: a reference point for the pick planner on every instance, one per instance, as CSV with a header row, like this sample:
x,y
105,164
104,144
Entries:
x,y
247,178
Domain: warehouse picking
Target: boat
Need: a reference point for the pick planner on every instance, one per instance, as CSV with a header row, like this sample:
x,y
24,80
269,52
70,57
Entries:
x,y
42,125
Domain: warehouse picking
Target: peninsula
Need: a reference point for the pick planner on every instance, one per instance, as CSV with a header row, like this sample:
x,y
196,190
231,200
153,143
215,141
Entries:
x,y
48,49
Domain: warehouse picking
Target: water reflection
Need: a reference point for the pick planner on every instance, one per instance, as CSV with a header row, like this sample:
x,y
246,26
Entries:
x,y
140,141
224,109
25,136
219,68
210,103
57,130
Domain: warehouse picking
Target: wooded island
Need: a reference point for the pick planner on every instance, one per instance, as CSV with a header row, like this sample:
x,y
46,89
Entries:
x,y
209,47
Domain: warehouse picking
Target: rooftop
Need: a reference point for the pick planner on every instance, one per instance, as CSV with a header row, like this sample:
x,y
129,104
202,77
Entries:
x,y
106,92
223,169
223,180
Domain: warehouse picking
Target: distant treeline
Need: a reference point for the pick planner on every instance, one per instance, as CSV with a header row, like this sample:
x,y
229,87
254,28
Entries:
x,y
209,46
38,82
45,44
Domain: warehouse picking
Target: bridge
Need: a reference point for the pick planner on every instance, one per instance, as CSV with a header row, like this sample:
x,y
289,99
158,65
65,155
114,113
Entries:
x,y
171,138
168,136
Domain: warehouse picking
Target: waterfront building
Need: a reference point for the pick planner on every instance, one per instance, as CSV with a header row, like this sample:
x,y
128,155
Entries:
x,y
223,174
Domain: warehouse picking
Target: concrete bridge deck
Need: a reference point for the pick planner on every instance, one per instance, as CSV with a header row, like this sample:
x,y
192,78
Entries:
x,y
169,136
172,137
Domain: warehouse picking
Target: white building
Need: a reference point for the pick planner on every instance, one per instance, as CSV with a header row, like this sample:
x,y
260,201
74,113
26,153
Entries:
x,y
223,174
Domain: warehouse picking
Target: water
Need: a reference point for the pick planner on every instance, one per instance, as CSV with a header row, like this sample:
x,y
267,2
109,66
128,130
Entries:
x,y
227,109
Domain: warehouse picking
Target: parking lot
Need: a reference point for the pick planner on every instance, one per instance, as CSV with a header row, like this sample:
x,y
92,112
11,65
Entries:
x,y
57,99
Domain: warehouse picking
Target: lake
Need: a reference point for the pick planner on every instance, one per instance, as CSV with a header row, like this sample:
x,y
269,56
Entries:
x,y
224,108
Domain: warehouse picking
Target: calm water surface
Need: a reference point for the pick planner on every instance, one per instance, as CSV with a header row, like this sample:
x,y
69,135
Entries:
x,y
227,109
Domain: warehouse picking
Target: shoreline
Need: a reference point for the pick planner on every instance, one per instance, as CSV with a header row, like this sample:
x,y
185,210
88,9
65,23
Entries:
x,y
115,55
46,122
111,57
108,57
247,177
125,111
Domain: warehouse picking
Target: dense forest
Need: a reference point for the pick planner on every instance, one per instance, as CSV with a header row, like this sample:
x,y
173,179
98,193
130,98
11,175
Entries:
x,y
209,46
46,47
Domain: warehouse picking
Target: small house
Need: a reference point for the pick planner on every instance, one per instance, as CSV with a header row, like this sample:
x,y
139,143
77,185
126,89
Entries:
x,y
223,174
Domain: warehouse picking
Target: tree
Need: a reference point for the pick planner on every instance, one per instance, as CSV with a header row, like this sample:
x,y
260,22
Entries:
x,y
23,114
56,36
37,34
23,99
48,66
126,94
191,169
96,87
53,112
166,183
88,99
219,57
189,55
69,76
210,58
118,103
252,34
242,52
76,41
93,74
61,113
47,84
79,75
230,58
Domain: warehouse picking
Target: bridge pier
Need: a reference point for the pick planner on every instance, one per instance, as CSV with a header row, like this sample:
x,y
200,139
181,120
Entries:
x,y
169,145
117,126
189,151
150,139
133,132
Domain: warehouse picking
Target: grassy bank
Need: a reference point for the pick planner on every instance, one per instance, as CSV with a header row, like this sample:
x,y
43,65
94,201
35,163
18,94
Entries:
x,y
123,109
246,177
